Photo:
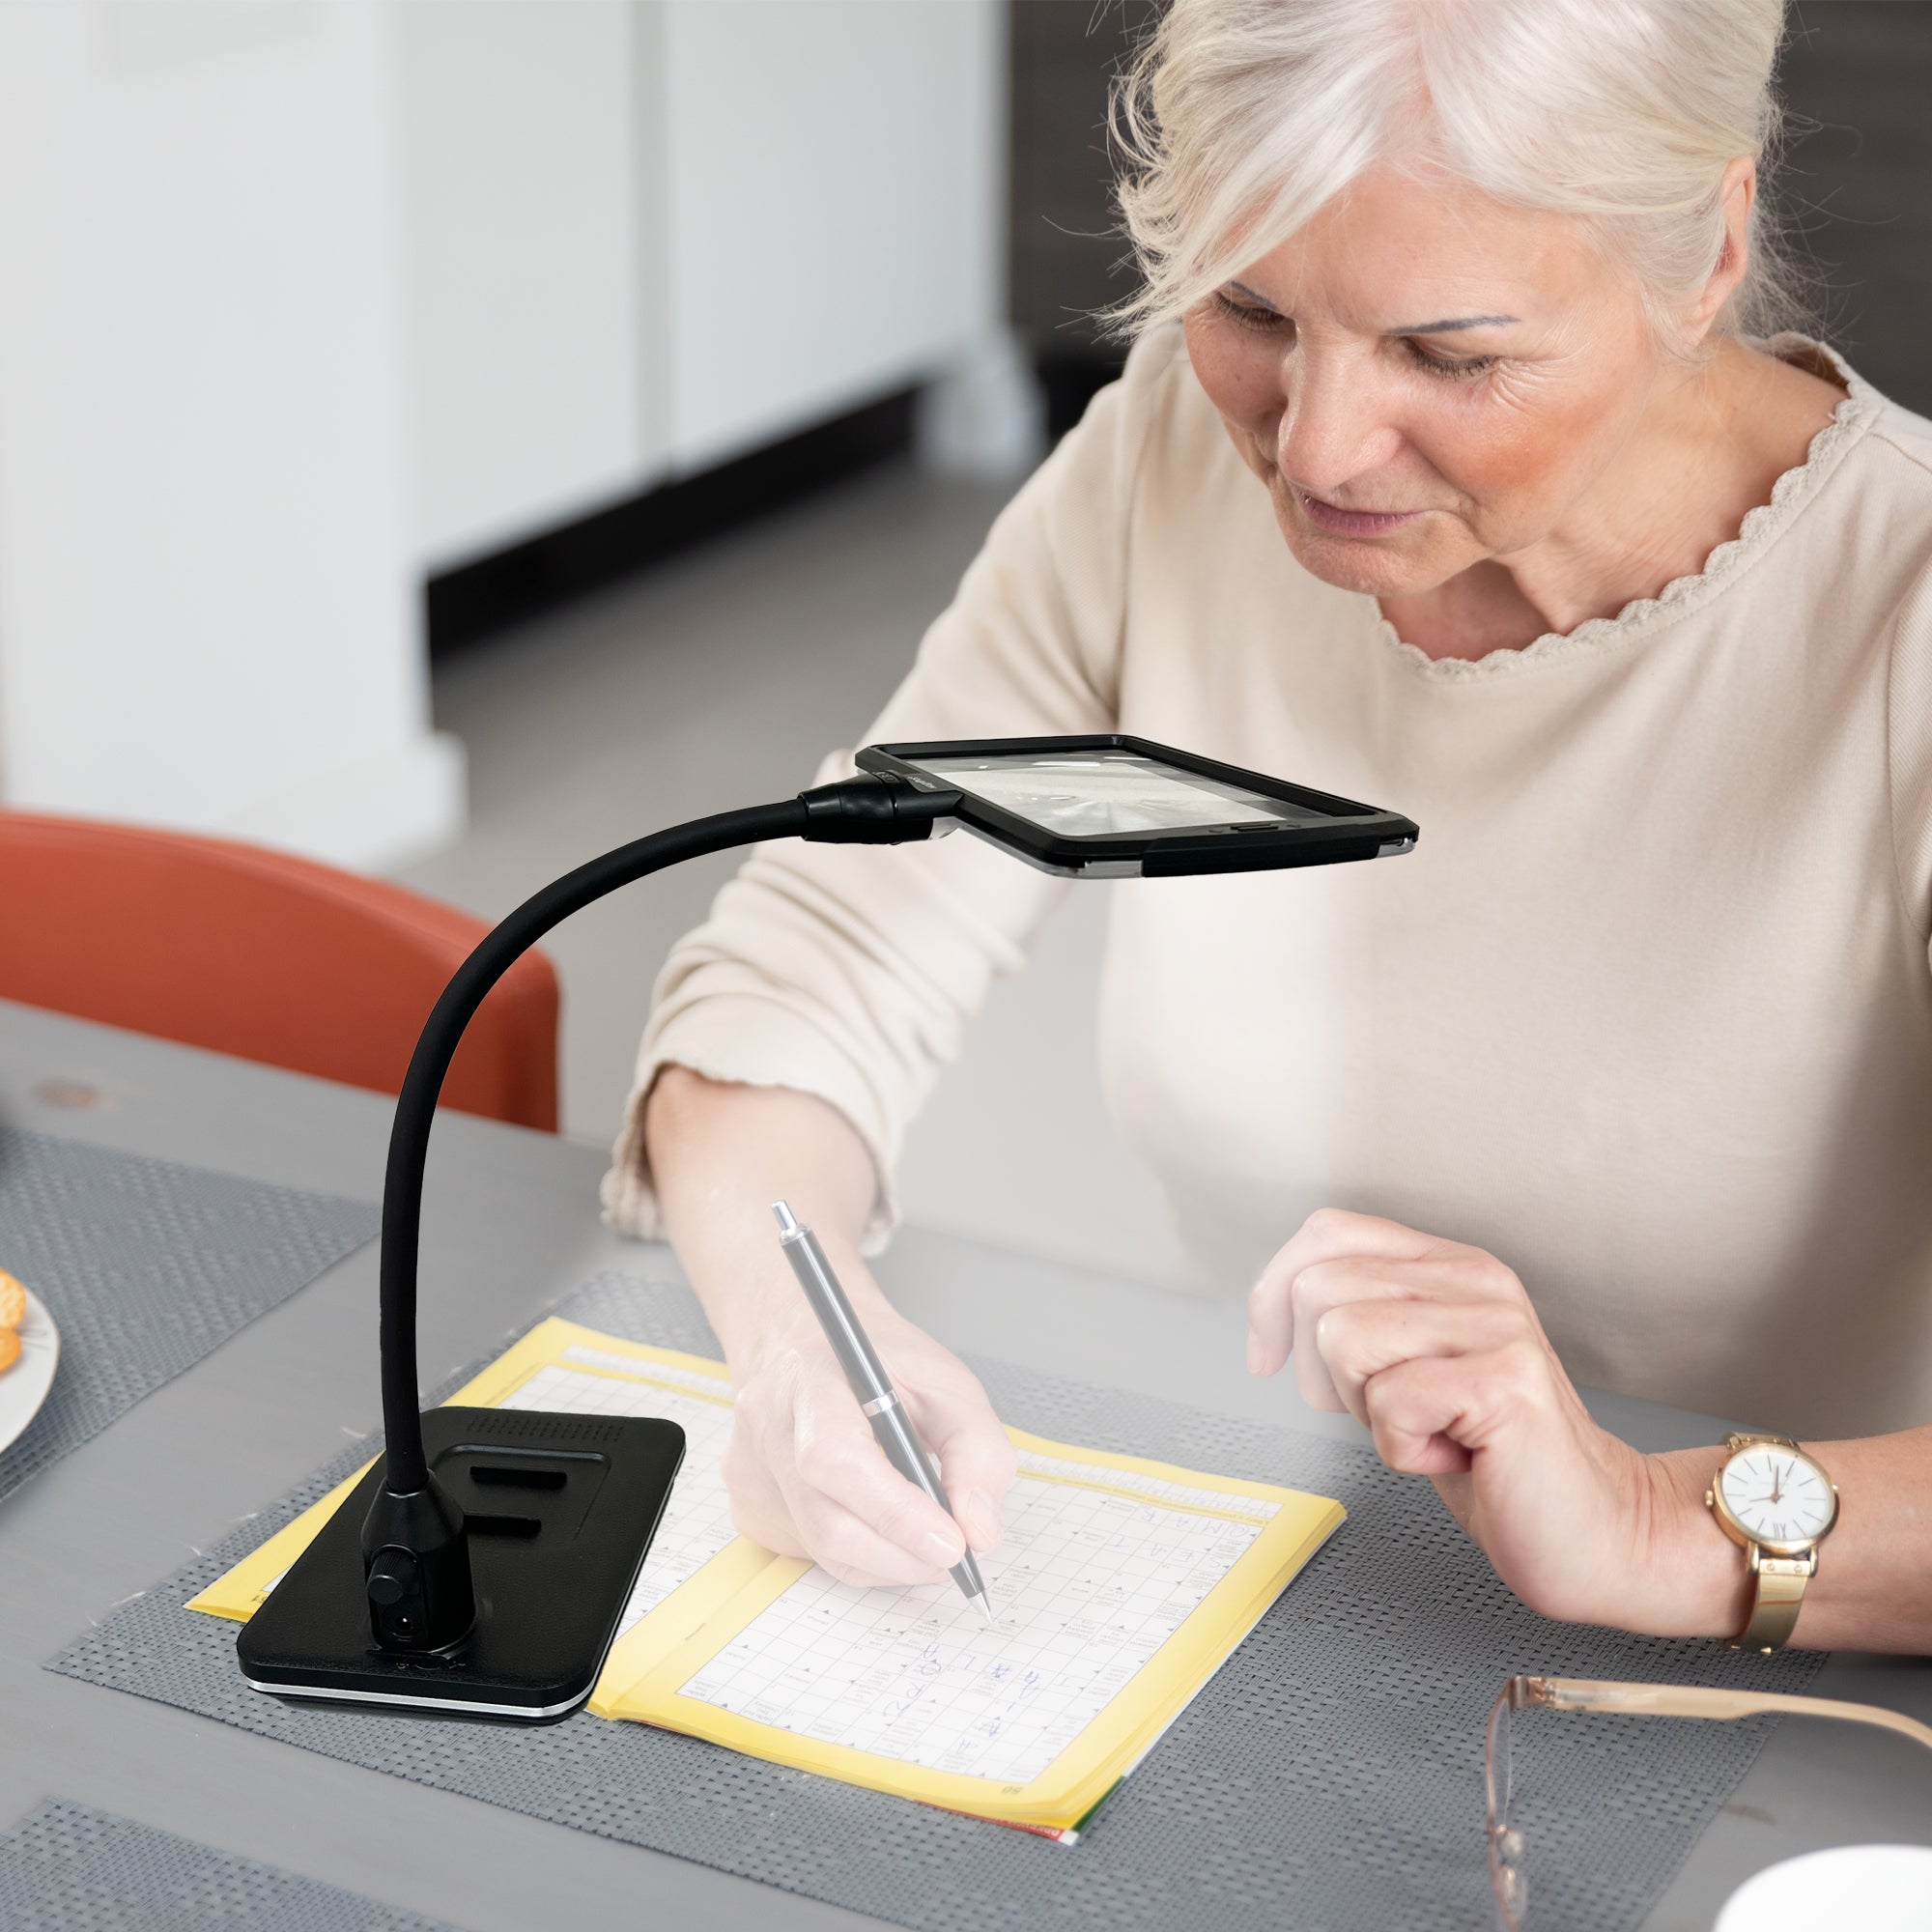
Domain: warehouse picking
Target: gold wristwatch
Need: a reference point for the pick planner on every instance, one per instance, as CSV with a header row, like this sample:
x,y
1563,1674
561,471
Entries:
x,y
1779,1503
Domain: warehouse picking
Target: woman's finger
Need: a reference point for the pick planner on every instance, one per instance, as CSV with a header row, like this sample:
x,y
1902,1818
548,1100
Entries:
x,y
1344,1283
976,1458
1433,1414
794,1520
1317,1292
1329,1235
1414,1411
1450,1272
835,1456
1356,1340
850,1549
808,1477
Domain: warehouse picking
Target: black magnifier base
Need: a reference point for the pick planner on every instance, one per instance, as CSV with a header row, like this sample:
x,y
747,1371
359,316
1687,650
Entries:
x,y
558,1512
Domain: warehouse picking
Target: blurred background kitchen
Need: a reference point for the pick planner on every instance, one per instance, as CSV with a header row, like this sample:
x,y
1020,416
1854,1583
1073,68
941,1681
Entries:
x,y
449,438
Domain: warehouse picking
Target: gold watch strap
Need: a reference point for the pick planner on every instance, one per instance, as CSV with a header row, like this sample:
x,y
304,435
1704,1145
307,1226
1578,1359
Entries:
x,y
1776,1600
1778,1582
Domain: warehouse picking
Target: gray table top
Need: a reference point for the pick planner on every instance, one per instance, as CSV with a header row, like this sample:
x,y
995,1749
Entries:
x,y
510,1222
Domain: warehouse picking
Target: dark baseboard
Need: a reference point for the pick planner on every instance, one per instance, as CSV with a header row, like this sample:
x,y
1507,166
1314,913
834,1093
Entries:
x,y
1070,377
477,600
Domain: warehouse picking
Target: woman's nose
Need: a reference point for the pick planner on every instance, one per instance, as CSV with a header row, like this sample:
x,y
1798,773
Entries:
x,y
1331,428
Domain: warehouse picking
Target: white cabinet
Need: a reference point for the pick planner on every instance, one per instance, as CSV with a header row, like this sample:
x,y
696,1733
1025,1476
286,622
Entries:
x,y
647,236
207,584
521,257
300,299
831,176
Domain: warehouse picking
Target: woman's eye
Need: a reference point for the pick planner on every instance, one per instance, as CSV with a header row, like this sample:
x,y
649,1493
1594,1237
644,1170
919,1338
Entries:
x,y
1249,315
1449,367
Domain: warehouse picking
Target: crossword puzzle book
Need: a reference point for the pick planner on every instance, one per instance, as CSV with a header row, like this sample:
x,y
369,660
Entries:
x,y
1121,1586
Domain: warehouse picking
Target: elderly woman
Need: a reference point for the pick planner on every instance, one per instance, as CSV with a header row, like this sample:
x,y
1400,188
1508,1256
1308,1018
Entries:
x,y
1448,470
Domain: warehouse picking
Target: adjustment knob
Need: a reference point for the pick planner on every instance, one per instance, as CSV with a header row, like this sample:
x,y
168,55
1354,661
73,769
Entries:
x,y
392,1576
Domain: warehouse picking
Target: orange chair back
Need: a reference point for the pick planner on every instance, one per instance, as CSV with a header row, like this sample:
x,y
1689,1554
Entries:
x,y
266,956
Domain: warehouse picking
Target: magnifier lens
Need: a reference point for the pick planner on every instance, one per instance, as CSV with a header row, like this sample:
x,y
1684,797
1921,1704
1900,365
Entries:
x,y
1089,793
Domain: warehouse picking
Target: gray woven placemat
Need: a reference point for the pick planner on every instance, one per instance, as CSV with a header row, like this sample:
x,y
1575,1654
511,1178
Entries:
x,y
69,1868
1329,1776
146,1268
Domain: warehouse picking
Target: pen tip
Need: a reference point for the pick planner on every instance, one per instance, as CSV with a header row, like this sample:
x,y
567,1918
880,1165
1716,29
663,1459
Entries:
x,y
984,1608
787,1221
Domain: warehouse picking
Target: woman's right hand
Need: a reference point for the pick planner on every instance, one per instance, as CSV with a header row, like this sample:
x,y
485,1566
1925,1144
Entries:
x,y
809,1479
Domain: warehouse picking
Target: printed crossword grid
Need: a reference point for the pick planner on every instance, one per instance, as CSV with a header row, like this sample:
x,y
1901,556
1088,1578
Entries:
x,y
1088,1584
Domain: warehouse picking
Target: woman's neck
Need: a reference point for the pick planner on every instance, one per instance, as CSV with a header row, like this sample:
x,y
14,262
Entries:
x,y
1707,451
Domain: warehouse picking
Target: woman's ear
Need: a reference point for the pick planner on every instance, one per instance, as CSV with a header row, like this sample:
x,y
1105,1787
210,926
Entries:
x,y
1736,197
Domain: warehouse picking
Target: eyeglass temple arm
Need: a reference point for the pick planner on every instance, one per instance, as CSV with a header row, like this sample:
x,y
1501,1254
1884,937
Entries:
x,y
1687,1700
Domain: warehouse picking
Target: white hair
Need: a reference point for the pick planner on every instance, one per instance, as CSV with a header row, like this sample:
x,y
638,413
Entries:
x,y
1239,119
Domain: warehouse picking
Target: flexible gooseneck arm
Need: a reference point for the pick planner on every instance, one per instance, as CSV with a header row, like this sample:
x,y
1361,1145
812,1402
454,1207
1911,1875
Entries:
x,y
422,1084
415,1553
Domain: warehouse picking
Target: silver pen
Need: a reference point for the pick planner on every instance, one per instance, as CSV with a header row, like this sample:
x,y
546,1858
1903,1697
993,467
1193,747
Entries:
x,y
891,1426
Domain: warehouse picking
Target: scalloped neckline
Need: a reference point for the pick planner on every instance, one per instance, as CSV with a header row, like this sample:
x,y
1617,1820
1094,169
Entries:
x,y
1859,405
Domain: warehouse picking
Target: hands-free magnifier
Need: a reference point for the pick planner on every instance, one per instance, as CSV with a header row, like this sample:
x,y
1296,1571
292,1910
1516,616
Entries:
x,y
482,1565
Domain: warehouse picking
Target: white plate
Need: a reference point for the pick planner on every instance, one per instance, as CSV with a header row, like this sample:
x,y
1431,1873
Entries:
x,y
25,1386
1872,1888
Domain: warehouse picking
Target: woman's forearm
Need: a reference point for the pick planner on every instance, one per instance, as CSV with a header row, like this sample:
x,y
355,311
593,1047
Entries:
x,y
1873,1590
721,1155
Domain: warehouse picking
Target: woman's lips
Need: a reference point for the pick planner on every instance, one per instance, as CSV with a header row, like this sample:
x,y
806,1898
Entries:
x,y
1351,523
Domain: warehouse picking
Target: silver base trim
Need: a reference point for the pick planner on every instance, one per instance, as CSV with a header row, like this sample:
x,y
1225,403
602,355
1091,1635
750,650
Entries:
x,y
329,1697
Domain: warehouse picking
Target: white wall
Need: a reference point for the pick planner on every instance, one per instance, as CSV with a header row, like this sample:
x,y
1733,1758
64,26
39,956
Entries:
x,y
207,598
520,196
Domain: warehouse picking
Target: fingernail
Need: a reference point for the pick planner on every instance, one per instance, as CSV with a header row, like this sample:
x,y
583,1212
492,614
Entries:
x,y
936,1546
980,1518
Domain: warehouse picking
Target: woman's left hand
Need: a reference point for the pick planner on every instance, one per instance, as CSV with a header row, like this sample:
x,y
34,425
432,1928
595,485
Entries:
x,y
1435,1348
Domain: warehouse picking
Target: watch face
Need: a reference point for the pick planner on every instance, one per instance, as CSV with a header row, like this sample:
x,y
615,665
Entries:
x,y
1777,1494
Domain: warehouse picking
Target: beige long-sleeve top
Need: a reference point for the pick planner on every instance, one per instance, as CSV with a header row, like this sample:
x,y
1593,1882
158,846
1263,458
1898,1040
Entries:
x,y
1648,1012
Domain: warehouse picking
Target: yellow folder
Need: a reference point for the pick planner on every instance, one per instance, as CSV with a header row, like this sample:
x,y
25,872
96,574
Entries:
x,y
1121,1585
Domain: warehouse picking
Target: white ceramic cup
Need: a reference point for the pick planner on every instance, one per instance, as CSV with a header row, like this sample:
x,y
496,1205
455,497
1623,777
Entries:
x,y
1859,1887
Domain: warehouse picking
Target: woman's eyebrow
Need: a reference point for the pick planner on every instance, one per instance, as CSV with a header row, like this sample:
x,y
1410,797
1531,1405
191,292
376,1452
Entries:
x,y
1449,327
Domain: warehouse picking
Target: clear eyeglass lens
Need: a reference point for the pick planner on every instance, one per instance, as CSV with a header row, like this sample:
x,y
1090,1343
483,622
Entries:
x,y
1503,1765
1506,1846
1511,1884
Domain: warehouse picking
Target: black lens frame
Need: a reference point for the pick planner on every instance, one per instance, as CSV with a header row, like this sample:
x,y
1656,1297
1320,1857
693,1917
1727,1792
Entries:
x,y
1347,830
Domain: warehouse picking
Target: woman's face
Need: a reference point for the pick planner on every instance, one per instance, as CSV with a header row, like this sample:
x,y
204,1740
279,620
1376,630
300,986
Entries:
x,y
1425,379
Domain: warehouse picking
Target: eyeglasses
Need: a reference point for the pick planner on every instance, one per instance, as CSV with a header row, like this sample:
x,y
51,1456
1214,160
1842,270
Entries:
x,y
1507,1869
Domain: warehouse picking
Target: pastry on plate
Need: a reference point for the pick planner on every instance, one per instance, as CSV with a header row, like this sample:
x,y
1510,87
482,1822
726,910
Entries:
x,y
12,1311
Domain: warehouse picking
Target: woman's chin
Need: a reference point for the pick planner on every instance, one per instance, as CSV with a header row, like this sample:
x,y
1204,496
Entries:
x,y
1404,564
